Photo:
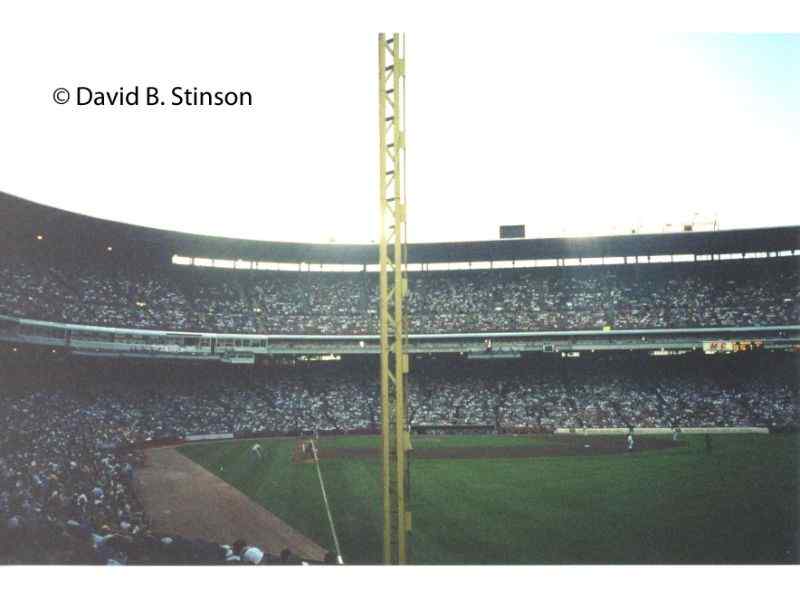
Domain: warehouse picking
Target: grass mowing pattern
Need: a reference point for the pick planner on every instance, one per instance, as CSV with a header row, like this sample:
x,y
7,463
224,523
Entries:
x,y
738,505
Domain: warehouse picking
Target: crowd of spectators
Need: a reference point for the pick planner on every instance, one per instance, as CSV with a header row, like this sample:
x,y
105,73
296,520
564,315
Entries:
x,y
442,392
67,462
577,393
728,293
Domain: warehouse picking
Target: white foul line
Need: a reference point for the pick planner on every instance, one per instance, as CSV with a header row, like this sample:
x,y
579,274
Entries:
x,y
327,506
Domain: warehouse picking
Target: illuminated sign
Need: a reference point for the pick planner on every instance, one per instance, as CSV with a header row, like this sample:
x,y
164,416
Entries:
x,y
728,346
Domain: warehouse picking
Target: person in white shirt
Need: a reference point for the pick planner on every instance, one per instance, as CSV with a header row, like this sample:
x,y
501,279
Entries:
x,y
630,442
252,555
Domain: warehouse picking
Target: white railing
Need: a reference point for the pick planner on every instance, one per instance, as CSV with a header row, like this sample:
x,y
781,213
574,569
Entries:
x,y
657,430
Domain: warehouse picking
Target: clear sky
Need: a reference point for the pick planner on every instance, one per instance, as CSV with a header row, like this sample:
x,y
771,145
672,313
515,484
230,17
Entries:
x,y
567,131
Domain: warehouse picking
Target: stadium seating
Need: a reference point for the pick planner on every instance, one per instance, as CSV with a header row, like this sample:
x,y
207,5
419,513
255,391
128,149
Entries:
x,y
733,293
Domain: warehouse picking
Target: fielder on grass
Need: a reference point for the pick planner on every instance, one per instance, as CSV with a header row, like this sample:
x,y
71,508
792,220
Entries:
x,y
255,452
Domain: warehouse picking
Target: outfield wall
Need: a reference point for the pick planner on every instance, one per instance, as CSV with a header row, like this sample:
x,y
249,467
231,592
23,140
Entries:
x,y
658,430
208,437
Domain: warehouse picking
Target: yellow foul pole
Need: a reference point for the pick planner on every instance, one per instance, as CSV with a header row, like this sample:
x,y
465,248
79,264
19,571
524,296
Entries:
x,y
393,289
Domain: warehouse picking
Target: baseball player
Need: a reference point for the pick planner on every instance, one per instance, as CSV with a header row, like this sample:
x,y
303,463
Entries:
x,y
630,441
255,451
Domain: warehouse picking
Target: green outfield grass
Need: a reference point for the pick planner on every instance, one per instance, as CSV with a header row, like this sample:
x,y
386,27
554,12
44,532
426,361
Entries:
x,y
737,505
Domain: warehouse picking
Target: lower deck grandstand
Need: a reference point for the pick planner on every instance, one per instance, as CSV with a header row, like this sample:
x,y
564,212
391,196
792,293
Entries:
x,y
154,402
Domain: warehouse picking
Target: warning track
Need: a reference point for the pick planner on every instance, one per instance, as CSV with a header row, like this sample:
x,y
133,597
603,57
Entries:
x,y
183,498
561,446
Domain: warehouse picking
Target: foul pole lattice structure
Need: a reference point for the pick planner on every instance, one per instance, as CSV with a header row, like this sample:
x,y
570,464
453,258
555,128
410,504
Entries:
x,y
393,289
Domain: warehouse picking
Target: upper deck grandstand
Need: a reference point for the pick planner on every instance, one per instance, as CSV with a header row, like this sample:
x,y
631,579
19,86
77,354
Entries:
x,y
61,267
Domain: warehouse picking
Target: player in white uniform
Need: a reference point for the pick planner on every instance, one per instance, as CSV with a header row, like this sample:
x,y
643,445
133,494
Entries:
x,y
255,451
630,442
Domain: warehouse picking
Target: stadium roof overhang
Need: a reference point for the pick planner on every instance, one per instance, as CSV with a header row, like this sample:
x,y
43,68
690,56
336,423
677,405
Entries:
x,y
72,234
